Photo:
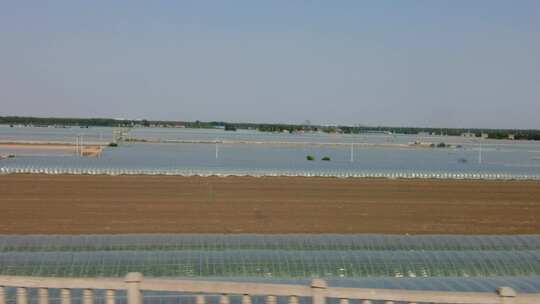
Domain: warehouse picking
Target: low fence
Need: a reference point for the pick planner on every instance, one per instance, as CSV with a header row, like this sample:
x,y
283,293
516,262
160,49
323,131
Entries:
x,y
135,285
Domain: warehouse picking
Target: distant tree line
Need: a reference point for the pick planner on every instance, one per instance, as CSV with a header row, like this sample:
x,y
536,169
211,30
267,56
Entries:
x,y
519,134
46,121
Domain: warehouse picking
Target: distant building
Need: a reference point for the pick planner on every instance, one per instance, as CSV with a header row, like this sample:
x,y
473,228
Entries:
x,y
468,134
485,135
511,136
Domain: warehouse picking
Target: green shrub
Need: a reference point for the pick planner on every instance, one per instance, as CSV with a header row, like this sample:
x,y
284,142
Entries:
x,y
113,144
326,158
310,157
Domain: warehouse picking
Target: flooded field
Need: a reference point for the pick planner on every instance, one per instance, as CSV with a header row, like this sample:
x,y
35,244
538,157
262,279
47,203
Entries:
x,y
266,154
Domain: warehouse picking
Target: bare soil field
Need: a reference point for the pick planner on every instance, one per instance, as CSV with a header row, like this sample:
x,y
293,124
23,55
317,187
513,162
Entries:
x,y
78,204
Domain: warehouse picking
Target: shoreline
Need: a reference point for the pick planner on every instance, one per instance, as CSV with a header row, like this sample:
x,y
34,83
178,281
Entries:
x,y
85,204
421,145
84,150
43,144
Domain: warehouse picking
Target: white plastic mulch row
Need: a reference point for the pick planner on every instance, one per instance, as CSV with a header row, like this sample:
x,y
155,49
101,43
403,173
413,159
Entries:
x,y
261,173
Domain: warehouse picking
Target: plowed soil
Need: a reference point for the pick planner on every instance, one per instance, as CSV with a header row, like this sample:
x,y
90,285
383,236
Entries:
x,y
63,204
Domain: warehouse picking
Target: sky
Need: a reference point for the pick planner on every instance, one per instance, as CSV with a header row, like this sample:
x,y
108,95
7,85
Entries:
x,y
400,63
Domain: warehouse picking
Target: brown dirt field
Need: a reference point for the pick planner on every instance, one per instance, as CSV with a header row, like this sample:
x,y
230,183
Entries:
x,y
159,204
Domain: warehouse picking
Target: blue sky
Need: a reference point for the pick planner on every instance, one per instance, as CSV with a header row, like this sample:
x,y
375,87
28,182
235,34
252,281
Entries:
x,y
417,63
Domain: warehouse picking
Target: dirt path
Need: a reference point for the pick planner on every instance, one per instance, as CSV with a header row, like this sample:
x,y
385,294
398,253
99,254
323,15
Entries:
x,y
152,204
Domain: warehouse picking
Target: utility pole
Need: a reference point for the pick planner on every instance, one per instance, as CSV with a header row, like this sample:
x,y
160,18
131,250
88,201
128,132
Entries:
x,y
480,153
77,145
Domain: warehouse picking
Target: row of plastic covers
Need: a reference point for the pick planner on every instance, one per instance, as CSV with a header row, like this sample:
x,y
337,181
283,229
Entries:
x,y
272,263
304,242
296,256
262,172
